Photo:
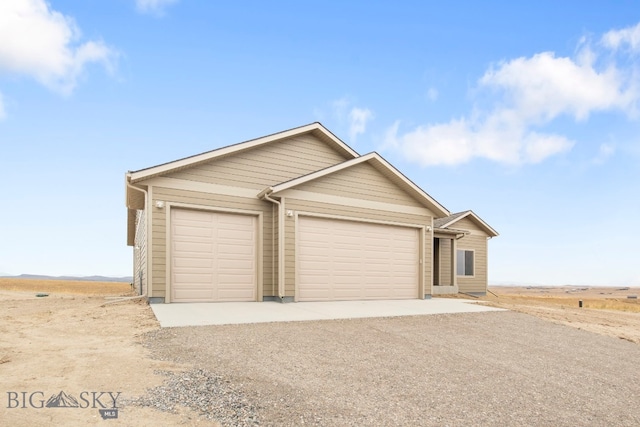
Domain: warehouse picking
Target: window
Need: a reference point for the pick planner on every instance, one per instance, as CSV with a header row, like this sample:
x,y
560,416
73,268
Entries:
x,y
464,261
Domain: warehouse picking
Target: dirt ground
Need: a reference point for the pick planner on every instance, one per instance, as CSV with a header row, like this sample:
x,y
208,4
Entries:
x,y
72,342
605,310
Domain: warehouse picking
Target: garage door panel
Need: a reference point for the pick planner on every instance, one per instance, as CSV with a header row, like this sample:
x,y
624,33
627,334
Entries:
x,y
233,220
213,256
354,245
191,278
347,294
193,231
361,260
191,215
234,234
376,241
401,250
193,295
225,279
229,250
316,294
376,257
193,262
180,247
315,269
378,281
234,264
382,293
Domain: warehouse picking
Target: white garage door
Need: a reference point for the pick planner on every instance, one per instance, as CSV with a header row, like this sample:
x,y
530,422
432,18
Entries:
x,y
213,256
347,260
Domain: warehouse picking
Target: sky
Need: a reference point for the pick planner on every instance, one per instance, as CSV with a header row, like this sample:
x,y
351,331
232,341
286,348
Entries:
x,y
528,114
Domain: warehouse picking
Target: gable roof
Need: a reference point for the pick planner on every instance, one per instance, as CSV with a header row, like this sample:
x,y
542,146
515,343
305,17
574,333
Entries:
x,y
377,162
453,218
316,129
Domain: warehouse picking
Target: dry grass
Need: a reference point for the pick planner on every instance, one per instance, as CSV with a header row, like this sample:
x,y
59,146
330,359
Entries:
x,y
561,297
630,305
65,286
606,311
616,304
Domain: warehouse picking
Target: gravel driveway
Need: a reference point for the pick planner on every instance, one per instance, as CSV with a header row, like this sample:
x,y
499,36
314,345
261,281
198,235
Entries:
x,y
495,368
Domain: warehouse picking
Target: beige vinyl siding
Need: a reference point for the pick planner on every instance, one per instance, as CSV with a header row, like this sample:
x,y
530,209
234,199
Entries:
x,y
205,200
467,224
355,213
266,165
476,241
477,283
362,181
158,246
140,253
445,262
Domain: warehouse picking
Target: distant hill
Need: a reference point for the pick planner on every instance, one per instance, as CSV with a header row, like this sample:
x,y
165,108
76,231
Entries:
x,y
127,279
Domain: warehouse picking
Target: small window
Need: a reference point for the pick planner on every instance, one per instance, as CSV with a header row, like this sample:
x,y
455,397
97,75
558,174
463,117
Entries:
x,y
464,263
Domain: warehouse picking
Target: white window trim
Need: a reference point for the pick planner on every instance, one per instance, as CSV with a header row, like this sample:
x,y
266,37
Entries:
x,y
474,263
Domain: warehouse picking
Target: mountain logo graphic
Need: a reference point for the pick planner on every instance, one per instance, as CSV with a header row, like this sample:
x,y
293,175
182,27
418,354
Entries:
x,y
62,400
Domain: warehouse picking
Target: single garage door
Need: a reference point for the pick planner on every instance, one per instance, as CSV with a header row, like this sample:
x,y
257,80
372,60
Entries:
x,y
213,256
348,260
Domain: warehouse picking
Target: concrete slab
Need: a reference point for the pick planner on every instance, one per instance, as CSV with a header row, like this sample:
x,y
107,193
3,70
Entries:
x,y
228,313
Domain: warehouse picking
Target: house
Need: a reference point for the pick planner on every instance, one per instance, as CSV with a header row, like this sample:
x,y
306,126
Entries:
x,y
296,216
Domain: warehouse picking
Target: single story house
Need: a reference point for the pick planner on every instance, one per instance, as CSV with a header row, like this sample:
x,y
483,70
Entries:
x,y
296,216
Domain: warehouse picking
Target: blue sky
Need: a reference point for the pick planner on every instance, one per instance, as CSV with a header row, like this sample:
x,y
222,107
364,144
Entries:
x,y
527,114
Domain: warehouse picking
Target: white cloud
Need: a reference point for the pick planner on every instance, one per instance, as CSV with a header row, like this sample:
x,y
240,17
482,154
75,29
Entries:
x,y
39,42
155,7
542,87
358,118
524,95
538,147
460,140
629,36
604,152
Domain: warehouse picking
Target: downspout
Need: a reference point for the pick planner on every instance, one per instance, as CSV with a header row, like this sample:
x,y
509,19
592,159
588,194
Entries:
x,y
265,196
127,180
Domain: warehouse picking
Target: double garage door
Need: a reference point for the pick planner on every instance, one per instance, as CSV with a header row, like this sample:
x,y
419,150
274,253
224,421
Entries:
x,y
213,256
348,260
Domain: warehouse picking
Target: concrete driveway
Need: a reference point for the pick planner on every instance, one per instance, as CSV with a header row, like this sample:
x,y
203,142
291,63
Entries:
x,y
227,313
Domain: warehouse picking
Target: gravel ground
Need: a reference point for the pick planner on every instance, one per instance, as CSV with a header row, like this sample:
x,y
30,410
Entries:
x,y
495,368
207,394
